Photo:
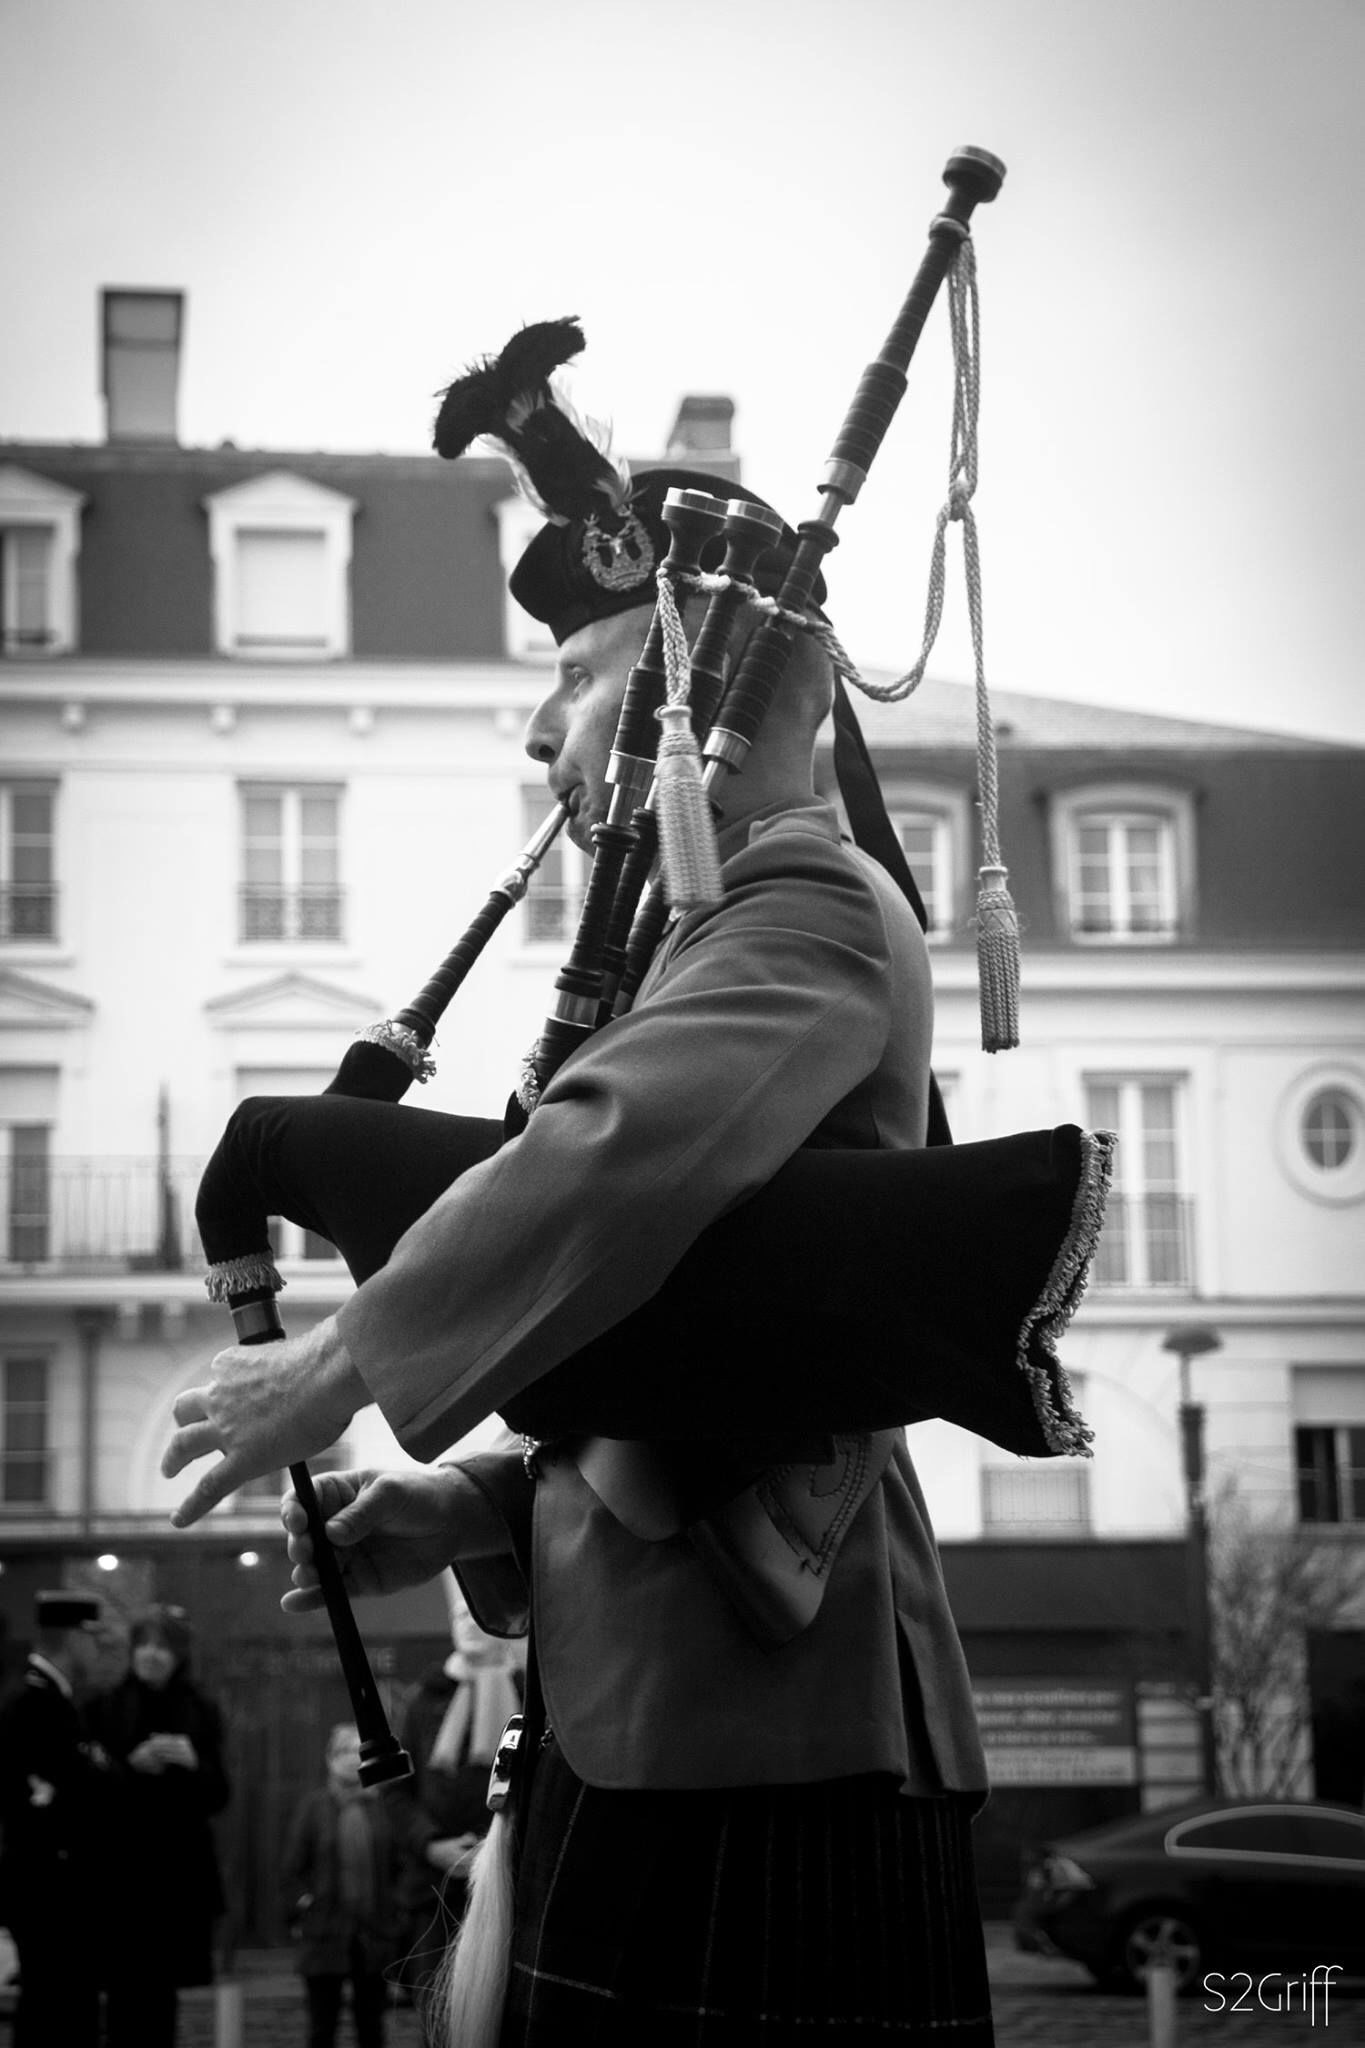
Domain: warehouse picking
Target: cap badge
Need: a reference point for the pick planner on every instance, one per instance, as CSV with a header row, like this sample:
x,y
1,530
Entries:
x,y
619,560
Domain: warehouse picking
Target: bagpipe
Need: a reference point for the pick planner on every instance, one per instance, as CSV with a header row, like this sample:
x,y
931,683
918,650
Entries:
x,y
858,1290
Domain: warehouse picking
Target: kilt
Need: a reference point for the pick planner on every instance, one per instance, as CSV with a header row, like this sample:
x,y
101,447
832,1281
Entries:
x,y
759,1918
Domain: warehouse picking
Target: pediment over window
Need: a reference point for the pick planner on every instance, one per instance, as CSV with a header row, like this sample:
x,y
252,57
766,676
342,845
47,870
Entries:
x,y
293,1002
27,1005
24,496
280,498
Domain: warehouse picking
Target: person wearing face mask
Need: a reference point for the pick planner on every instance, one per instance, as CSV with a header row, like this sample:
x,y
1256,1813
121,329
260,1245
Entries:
x,y
164,1739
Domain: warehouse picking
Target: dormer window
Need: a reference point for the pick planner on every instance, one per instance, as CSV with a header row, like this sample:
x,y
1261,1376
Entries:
x,y
931,822
39,543
281,548
525,638
1123,856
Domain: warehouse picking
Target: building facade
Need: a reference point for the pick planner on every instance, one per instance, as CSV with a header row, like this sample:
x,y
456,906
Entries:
x,y
261,716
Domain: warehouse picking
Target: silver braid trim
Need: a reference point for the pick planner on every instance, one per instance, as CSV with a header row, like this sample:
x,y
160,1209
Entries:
x,y
1047,1321
242,1276
528,1081
403,1043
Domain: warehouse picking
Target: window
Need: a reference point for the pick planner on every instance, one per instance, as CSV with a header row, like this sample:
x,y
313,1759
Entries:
x,y
25,583
555,896
1331,1472
1145,1242
1240,1834
927,841
28,892
28,1194
39,544
290,863
1334,1835
1320,1133
1330,1128
1123,857
933,825
281,548
525,638
1036,1500
23,1431
1020,1498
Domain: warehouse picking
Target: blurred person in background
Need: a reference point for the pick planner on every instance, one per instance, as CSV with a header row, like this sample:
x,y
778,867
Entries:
x,y
450,1729
164,1740
54,1878
342,1870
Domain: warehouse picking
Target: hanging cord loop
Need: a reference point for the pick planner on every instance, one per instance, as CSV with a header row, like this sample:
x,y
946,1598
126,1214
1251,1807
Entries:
x,y
997,925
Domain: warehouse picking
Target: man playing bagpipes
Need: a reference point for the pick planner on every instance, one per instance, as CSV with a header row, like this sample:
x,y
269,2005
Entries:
x,y
744,1811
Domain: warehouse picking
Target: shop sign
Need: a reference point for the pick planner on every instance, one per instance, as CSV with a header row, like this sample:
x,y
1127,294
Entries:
x,y
1042,1731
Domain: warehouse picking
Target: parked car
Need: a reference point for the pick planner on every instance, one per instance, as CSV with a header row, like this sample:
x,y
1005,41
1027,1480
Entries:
x,y
1228,1885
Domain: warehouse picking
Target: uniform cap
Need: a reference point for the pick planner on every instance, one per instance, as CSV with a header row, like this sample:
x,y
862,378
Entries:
x,y
66,1610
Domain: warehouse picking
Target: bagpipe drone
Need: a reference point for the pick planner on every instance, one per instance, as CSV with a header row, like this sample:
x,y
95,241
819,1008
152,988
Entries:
x,y
934,1282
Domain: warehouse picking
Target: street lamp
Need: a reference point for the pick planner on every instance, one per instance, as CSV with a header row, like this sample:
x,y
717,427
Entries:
x,y
1188,1341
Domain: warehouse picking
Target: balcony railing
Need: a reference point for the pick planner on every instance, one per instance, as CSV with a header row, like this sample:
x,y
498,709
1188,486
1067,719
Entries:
x,y
1146,1243
28,910
105,1216
308,913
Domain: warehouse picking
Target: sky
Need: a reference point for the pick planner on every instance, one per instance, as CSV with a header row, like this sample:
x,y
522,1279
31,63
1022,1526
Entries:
x,y
361,196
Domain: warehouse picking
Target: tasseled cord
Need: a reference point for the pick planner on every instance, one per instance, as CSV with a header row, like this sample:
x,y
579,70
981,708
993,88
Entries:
x,y
687,833
997,925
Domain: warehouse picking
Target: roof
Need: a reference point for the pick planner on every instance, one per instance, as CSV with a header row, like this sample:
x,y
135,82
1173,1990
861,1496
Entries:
x,y
942,714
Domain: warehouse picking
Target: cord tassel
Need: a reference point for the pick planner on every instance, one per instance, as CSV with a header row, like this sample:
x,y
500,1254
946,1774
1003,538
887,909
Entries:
x,y
687,833
997,961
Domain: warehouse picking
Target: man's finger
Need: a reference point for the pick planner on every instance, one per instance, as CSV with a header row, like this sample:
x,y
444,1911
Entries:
x,y
187,1445
217,1483
191,1405
301,1599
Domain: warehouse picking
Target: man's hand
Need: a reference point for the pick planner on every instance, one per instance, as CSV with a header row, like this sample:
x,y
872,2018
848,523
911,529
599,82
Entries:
x,y
267,1405
388,1529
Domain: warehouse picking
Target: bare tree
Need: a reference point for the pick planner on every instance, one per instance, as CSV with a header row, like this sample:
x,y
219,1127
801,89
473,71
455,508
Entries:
x,y
1270,1586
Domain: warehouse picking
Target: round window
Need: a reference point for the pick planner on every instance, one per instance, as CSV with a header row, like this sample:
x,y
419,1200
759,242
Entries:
x,y
1320,1132
1330,1129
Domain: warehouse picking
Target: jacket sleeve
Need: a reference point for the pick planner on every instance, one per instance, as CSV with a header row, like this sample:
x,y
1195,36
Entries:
x,y
768,1012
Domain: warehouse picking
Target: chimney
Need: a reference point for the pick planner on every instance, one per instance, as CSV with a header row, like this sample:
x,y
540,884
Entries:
x,y
700,436
140,333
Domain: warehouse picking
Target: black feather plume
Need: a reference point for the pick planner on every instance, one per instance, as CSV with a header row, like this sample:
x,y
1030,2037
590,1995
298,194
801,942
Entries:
x,y
509,400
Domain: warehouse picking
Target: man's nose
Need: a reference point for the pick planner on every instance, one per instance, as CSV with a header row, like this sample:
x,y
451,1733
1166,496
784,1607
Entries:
x,y
543,737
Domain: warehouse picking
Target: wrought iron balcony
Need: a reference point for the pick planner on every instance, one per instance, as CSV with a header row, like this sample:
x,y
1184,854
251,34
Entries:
x,y
28,910
1146,1243
307,913
117,1215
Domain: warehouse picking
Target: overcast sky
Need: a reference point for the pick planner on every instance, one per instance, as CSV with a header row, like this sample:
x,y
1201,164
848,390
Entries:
x,y
359,196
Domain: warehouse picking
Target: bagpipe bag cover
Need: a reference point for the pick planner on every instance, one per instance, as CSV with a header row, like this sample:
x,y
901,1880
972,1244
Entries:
x,y
857,1290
